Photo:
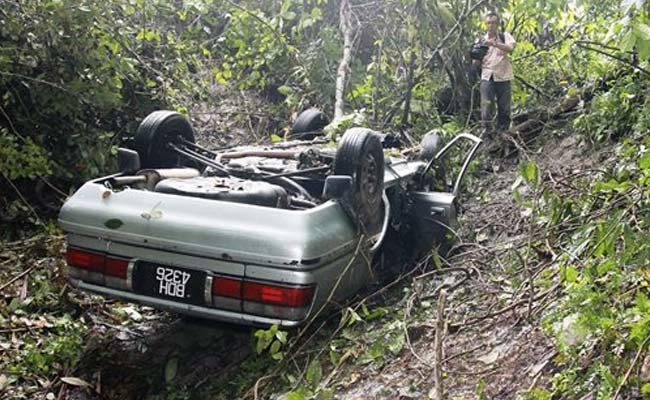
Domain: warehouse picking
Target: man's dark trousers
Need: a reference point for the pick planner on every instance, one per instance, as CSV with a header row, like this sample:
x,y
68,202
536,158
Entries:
x,y
502,93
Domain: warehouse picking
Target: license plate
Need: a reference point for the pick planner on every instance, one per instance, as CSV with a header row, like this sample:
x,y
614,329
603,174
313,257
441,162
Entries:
x,y
171,283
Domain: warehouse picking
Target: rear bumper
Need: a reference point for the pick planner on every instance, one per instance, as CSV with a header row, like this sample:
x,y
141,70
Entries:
x,y
187,309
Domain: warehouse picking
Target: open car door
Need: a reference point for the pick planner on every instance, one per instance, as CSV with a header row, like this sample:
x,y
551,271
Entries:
x,y
435,205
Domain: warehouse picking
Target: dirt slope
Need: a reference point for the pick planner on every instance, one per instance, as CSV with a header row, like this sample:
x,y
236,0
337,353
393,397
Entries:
x,y
494,346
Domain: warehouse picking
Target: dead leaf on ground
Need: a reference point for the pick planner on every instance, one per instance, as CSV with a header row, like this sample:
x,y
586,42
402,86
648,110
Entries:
x,y
71,380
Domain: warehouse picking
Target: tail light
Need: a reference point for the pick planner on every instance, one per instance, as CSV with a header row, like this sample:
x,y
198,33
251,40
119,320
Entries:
x,y
85,260
289,302
116,267
226,287
97,267
278,295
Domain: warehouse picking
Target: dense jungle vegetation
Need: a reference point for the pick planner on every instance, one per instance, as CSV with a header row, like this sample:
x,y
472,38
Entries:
x,y
77,77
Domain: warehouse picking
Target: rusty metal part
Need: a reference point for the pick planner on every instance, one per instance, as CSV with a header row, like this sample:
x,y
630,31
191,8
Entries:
x,y
291,155
128,180
148,178
298,172
199,158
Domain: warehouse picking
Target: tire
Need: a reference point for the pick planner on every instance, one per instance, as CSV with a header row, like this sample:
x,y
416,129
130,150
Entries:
x,y
360,156
154,133
309,124
51,196
429,146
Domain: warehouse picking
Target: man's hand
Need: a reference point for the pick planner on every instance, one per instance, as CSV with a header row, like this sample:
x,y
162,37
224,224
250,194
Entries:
x,y
498,45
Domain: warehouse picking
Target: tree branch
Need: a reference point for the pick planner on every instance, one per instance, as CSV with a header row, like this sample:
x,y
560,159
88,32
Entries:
x,y
467,11
615,57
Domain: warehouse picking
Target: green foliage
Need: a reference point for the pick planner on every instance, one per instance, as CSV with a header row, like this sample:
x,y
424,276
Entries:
x,y
26,160
615,112
603,320
76,76
60,350
337,128
272,339
530,173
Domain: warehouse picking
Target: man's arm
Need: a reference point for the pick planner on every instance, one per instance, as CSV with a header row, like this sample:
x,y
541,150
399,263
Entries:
x,y
507,47
501,46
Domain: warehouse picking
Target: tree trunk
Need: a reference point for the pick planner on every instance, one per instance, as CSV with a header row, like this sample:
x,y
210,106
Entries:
x,y
343,70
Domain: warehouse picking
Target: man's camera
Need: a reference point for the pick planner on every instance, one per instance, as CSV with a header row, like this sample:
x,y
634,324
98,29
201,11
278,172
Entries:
x,y
478,50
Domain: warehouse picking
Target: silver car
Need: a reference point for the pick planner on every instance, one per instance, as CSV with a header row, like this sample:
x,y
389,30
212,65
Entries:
x,y
258,235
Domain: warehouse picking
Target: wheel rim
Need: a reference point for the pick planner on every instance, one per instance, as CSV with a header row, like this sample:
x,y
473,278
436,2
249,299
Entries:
x,y
369,183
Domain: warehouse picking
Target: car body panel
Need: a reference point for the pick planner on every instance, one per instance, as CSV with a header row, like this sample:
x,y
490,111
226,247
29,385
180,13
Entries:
x,y
318,247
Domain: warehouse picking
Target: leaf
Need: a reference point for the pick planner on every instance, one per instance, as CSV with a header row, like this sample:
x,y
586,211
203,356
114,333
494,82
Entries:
x,y
530,173
642,31
281,336
316,13
437,262
286,90
334,358
644,162
71,380
570,274
354,317
170,369
314,372
150,36
275,347
275,139
327,394
645,389
395,346
516,183
294,396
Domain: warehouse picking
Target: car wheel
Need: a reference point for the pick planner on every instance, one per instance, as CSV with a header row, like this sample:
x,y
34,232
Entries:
x,y
309,124
360,156
51,196
429,146
154,134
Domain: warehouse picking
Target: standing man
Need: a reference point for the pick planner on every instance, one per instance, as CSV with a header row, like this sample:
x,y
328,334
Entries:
x,y
496,76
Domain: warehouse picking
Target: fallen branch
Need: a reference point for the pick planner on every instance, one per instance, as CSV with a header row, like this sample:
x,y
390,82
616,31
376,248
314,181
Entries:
x,y
15,278
505,309
532,87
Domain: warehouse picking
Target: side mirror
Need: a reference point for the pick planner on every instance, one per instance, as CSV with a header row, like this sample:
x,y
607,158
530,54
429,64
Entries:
x,y
336,186
128,160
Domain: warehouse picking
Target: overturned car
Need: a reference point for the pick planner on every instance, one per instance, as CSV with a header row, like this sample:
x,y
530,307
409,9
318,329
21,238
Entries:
x,y
258,235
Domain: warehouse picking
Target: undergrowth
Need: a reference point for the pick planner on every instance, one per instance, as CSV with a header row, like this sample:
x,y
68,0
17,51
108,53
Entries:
x,y
596,223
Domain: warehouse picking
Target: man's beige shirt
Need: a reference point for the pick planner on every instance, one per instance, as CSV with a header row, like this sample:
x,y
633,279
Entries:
x,y
496,64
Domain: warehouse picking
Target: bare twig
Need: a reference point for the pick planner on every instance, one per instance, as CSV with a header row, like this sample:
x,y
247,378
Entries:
x,y
532,87
629,370
437,390
508,308
15,278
